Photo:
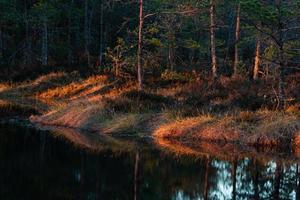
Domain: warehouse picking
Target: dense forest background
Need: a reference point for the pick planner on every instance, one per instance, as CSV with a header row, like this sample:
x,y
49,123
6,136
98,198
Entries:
x,y
155,38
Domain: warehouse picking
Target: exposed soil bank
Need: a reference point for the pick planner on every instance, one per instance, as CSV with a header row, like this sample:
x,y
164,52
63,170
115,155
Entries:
x,y
233,111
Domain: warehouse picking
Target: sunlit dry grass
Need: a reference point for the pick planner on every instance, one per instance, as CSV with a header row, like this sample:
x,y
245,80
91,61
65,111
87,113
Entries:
x,y
4,86
77,87
255,128
231,110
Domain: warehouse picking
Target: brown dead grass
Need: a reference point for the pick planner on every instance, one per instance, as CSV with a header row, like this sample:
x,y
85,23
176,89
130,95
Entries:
x,y
231,110
261,128
4,86
78,88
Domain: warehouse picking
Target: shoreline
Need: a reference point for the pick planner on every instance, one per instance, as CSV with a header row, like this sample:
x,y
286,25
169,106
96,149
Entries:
x,y
177,112
96,142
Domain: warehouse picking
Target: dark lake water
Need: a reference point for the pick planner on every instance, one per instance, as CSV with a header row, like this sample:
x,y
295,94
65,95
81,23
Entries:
x,y
36,165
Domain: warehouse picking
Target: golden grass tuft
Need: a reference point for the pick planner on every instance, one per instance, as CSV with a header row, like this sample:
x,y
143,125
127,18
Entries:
x,y
77,87
49,77
260,128
4,86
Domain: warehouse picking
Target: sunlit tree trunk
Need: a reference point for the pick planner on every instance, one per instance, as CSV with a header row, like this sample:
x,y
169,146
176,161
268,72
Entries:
x,y
257,59
212,38
139,53
237,39
86,32
45,43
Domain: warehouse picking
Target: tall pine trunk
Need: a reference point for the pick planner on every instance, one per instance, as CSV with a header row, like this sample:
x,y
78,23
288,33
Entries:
x,y
212,38
139,52
257,59
45,43
237,39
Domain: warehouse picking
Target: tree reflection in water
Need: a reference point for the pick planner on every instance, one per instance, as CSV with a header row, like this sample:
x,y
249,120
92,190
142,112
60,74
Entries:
x,y
35,165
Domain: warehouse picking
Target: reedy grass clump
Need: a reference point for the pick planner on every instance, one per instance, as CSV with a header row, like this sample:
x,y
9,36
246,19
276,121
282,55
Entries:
x,y
231,110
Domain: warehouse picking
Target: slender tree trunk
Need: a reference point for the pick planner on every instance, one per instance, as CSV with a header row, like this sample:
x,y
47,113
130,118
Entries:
x,y
257,59
171,57
101,35
86,32
139,52
237,39
212,38
45,44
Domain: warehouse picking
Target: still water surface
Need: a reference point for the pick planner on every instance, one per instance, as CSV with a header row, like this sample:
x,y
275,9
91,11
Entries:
x,y
36,165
